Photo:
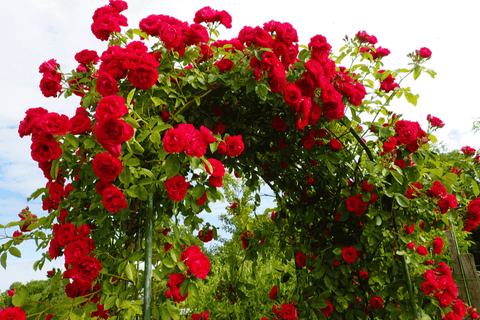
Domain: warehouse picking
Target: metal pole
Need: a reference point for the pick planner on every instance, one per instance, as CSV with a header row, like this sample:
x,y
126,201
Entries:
x,y
148,258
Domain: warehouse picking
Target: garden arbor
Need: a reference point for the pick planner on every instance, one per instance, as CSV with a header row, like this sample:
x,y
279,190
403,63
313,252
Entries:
x,y
360,205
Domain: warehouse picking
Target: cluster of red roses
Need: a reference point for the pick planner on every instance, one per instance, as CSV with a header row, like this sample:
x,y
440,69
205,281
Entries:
x,y
409,133
435,122
445,201
468,151
419,55
80,264
439,282
12,313
355,204
201,316
51,78
423,251
388,84
301,259
108,19
205,236
473,219
198,265
364,37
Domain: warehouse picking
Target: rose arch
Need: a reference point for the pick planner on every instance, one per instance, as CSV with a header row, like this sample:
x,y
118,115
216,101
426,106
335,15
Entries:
x,y
361,200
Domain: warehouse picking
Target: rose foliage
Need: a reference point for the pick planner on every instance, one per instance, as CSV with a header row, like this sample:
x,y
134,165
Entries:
x,y
164,122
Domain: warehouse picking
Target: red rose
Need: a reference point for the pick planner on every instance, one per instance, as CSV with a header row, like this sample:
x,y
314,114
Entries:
x,y
113,199
78,249
13,313
177,187
219,128
143,76
32,117
196,261
335,145
353,203
106,167
349,254
50,84
424,52
224,65
80,124
411,246
273,292
207,135
215,182
474,206
376,302
308,141
87,56
217,166
110,107
174,140
366,186
279,124
301,259
112,133
195,144
106,84
292,96
363,274
235,146
288,312
437,245
459,308
421,250
11,292
205,237
65,234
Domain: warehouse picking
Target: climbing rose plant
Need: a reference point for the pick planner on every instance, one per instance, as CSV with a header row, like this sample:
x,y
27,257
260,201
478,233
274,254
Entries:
x,y
162,124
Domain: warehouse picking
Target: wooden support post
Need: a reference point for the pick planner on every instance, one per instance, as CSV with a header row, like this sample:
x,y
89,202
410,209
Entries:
x,y
470,279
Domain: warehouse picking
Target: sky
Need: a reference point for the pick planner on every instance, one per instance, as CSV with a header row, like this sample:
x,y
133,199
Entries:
x,y
34,31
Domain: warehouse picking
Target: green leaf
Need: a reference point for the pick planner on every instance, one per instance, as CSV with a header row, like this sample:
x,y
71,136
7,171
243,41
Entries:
x,y
132,162
15,252
337,251
198,191
89,143
20,297
130,272
402,200
319,303
142,193
412,98
157,101
125,176
142,135
168,262
184,287
136,147
129,100
328,283
303,54
110,302
397,176
172,165
155,137
475,189
3,260
416,72
192,294
72,140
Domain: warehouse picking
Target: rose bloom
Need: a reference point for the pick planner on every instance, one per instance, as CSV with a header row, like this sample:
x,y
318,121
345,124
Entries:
x,y
44,150
335,145
235,146
143,76
349,254
224,65
217,166
201,316
363,274
106,167
196,261
112,133
174,140
113,199
110,107
328,309
411,246
288,312
174,283
468,151
65,234
301,259
32,117
202,199
376,302
50,84
13,313
435,122
424,52
421,250
106,85
177,187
